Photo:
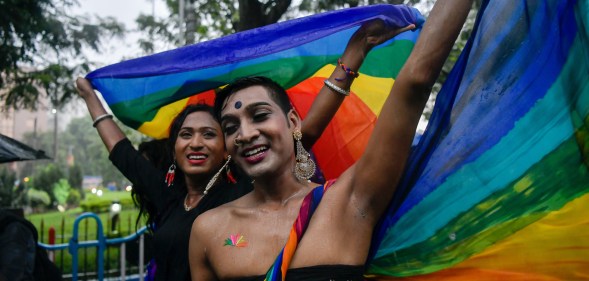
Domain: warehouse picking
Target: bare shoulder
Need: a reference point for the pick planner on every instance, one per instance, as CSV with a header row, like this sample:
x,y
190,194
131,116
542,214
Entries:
x,y
205,220
214,219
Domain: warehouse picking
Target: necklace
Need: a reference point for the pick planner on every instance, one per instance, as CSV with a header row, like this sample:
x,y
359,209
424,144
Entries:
x,y
186,206
290,197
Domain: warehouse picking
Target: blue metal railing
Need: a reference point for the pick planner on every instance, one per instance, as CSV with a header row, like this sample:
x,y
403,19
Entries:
x,y
101,243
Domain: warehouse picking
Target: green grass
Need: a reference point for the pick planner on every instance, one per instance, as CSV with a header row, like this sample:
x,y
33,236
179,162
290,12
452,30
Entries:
x,y
110,195
55,219
63,223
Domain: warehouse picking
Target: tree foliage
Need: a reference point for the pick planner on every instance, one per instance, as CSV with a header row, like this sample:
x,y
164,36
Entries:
x,y
205,19
61,191
40,42
90,157
21,22
328,5
53,81
46,178
73,198
75,177
38,198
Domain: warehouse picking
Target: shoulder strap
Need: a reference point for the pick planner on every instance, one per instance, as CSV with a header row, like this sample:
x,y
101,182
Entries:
x,y
277,271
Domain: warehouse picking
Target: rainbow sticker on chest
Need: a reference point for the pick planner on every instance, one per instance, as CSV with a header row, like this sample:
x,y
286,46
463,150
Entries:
x,y
235,240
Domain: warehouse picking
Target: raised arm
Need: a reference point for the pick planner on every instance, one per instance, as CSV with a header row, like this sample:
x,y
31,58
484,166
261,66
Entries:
x,y
328,100
379,169
109,131
143,173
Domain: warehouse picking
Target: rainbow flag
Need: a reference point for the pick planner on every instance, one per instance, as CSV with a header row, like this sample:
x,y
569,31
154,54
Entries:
x,y
498,187
148,92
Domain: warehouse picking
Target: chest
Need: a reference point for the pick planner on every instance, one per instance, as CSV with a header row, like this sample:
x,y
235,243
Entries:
x,y
249,242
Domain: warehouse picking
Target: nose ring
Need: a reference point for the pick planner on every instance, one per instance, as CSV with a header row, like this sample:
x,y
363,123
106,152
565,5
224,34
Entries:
x,y
237,141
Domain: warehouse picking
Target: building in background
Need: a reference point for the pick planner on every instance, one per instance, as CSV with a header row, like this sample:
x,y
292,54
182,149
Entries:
x,y
15,123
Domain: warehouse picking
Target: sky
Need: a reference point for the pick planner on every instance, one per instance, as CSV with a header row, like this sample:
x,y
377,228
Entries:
x,y
125,11
115,50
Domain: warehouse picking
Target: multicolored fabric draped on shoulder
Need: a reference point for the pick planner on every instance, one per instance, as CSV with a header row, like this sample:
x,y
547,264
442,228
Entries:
x,y
498,186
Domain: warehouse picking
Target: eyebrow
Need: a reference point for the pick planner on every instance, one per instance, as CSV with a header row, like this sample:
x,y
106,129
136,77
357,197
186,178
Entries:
x,y
198,129
247,108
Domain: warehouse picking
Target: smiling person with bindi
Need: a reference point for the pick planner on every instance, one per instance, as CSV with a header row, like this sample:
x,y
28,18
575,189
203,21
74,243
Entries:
x,y
295,229
200,174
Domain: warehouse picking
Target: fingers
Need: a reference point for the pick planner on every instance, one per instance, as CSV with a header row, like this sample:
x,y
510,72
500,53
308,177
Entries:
x,y
394,32
84,86
378,32
406,28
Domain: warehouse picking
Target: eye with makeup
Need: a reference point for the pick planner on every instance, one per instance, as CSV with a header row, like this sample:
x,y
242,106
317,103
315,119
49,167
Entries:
x,y
229,127
261,115
184,134
209,134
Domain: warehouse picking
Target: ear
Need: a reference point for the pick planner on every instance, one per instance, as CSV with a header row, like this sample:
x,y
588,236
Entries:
x,y
294,120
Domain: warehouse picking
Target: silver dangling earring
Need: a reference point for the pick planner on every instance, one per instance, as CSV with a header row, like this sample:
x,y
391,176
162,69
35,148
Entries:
x,y
216,176
305,166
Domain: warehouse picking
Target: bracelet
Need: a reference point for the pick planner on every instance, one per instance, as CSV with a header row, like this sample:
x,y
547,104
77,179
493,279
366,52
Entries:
x,y
349,71
335,88
100,118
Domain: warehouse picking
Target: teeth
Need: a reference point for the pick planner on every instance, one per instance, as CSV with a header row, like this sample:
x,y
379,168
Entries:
x,y
255,151
196,157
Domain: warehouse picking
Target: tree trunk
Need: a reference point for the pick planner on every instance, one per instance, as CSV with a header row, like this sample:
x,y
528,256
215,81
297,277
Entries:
x,y
253,14
191,23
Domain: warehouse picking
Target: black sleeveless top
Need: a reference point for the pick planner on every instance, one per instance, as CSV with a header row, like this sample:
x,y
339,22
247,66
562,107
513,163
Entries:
x,y
319,273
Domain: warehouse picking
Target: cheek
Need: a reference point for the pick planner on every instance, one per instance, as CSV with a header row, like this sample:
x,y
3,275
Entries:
x,y
228,143
216,145
287,140
177,148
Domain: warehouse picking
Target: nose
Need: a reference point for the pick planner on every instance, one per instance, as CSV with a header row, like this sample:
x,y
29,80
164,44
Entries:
x,y
248,133
196,142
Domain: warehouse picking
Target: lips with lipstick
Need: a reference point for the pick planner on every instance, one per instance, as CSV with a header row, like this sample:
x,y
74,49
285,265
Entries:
x,y
254,154
196,158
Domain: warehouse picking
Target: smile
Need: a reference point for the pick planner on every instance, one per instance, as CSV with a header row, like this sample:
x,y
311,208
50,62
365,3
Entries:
x,y
255,151
255,155
196,157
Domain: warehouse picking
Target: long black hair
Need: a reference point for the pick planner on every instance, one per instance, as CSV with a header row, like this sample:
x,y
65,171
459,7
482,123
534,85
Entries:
x,y
159,154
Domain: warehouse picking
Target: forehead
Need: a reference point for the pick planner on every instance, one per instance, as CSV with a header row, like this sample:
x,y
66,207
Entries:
x,y
200,119
244,97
